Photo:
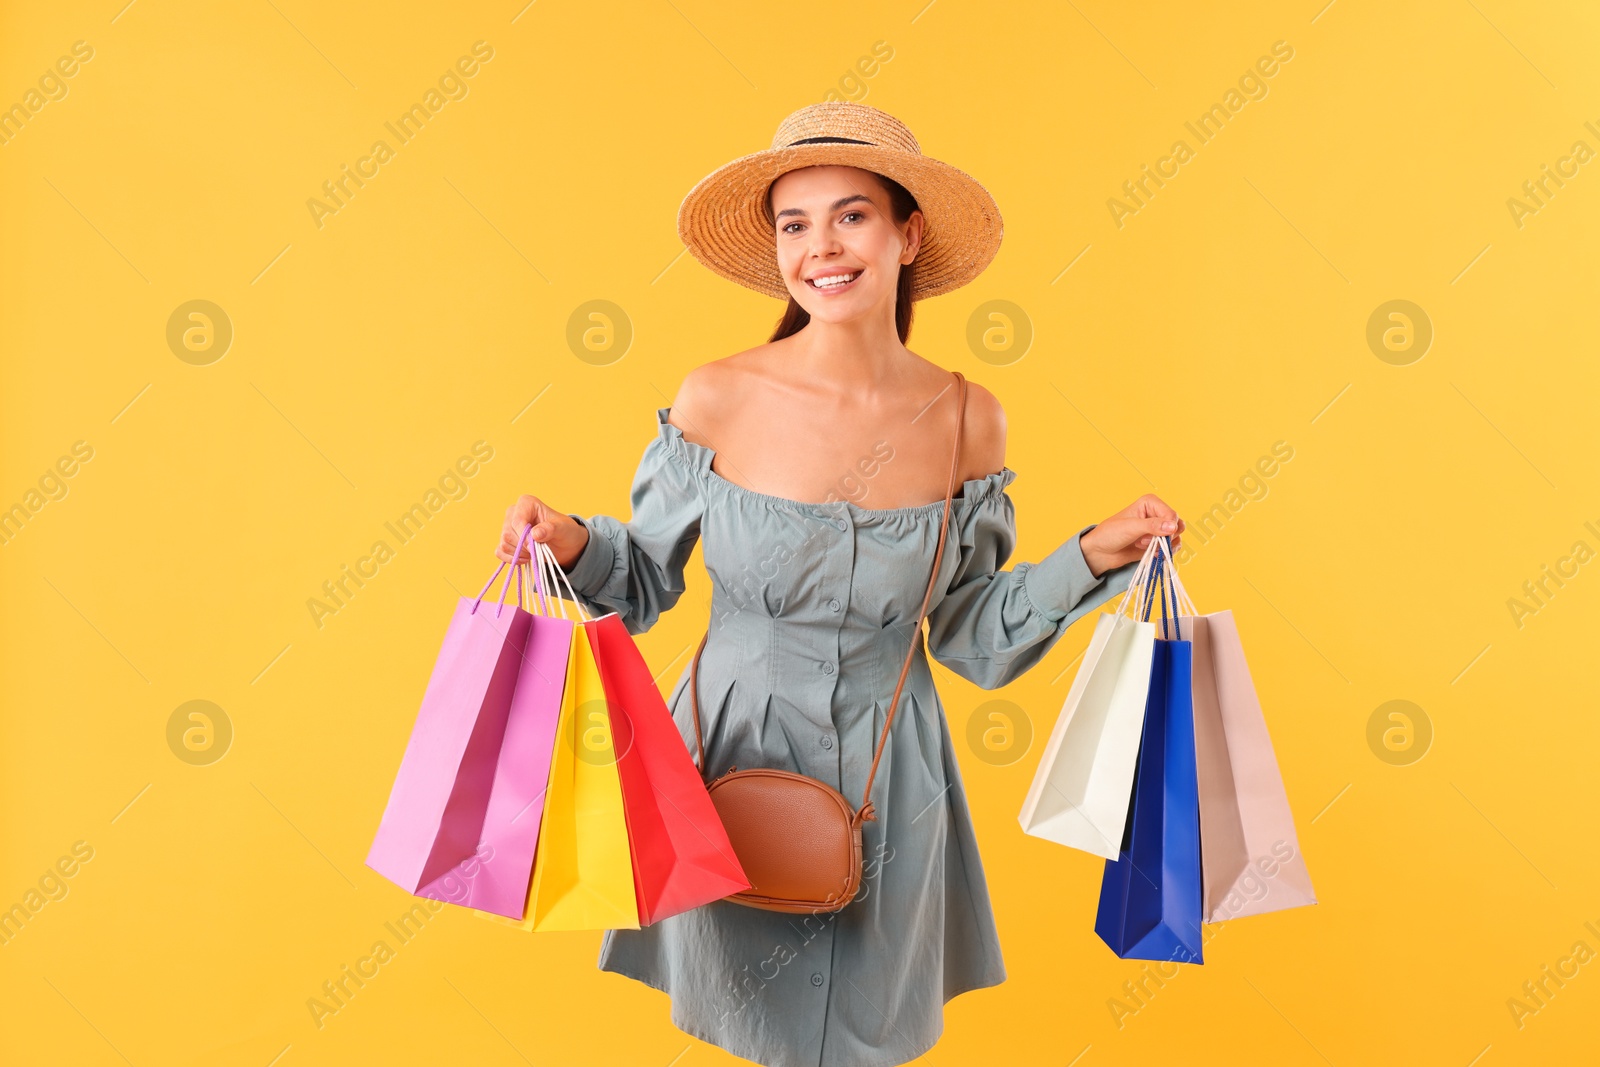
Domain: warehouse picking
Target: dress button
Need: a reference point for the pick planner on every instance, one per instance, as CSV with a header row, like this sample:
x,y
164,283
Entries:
x,y
842,525
827,741
833,605
827,668
816,979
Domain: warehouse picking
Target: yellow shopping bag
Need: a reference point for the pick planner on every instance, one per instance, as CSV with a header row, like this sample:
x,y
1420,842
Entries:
x,y
583,870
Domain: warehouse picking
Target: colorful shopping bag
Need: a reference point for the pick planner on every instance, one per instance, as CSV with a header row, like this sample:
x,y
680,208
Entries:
x,y
681,854
1079,796
436,808
583,870
1150,896
1251,853
495,878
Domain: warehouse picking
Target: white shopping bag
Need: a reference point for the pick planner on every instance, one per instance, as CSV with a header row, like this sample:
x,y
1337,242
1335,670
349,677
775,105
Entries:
x,y
1082,790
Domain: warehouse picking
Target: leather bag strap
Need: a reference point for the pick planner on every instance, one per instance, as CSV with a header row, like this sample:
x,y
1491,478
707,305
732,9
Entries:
x,y
866,811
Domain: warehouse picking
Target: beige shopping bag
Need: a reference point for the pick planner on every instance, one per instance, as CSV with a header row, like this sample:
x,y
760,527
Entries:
x,y
1250,852
1082,789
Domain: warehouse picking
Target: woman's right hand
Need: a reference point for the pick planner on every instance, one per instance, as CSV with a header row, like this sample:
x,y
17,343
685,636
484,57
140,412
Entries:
x,y
565,536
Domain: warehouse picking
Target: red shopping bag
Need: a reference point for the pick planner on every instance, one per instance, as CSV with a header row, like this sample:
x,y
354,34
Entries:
x,y
681,854
437,805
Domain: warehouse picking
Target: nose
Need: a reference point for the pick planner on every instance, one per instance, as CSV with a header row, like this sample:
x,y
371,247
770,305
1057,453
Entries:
x,y
823,242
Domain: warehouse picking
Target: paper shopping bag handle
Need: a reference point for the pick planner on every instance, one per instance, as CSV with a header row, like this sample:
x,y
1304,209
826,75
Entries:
x,y
475,604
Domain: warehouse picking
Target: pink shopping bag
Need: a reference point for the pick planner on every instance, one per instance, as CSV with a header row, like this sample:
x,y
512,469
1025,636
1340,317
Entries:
x,y
495,878
436,810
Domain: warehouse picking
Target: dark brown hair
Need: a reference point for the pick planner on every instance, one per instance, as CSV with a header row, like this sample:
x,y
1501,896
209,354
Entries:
x,y
901,205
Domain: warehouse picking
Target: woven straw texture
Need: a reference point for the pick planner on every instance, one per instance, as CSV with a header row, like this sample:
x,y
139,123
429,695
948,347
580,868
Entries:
x,y
724,224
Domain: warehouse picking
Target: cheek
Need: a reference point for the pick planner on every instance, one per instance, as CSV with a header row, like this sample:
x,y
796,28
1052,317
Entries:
x,y
788,262
884,251
886,269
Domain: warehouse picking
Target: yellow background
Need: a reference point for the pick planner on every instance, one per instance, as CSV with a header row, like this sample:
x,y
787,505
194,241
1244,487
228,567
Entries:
x,y
368,354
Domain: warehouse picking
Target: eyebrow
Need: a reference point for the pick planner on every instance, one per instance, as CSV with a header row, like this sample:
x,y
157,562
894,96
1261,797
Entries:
x,y
835,206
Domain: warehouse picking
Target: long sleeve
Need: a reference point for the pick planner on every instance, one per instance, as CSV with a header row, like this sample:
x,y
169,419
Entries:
x,y
993,625
635,568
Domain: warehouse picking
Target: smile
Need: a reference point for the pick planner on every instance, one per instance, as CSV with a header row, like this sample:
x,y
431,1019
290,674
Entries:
x,y
834,283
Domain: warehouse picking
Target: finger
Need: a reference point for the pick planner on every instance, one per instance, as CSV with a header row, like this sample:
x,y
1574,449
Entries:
x,y
511,538
525,510
525,539
1150,506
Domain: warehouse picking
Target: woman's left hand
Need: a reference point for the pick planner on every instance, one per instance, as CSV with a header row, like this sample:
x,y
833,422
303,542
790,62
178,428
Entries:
x,y
1123,537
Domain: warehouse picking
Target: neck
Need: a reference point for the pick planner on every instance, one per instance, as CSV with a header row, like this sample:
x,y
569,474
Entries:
x,y
858,358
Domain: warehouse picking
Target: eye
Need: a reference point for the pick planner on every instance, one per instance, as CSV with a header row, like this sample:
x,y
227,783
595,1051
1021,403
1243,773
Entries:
x,y
785,229
857,214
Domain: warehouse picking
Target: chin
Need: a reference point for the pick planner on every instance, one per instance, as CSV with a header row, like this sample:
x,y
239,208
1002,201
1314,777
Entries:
x,y
857,305
830,313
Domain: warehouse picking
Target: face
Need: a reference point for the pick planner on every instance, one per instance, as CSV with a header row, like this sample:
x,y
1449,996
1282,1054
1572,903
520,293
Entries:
x,y
835,221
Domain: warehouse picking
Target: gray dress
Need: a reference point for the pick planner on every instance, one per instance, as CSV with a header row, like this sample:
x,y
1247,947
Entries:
x,y
811,614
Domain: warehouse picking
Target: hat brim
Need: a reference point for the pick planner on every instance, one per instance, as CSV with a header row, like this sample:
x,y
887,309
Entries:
x,y
724,226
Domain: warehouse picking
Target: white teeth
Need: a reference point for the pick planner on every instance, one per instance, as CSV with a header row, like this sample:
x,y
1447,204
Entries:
x,y
837,279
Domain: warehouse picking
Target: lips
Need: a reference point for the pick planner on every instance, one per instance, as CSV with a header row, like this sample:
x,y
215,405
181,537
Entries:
x,y
833,286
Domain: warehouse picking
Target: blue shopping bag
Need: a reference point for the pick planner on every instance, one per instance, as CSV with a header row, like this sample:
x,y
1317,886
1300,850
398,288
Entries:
x,y
1150,898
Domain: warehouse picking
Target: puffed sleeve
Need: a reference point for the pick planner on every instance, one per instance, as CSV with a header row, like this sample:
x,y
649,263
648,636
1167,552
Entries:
x,y
635,568
992,625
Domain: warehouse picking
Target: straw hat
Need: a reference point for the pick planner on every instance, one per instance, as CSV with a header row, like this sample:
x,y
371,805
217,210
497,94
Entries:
x,y
723,220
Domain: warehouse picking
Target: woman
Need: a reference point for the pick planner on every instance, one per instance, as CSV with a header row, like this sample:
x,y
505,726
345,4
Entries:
x,y
807,465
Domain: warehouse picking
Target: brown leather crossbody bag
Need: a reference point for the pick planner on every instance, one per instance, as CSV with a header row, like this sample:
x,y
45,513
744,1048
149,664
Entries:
x,y
797,838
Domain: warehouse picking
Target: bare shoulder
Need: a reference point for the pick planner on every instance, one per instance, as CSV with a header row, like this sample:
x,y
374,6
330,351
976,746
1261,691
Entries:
x,y
712,388
983,440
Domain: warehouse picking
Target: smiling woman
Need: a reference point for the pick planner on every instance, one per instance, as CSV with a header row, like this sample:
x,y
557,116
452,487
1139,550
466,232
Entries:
x,y
836,278
793,694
